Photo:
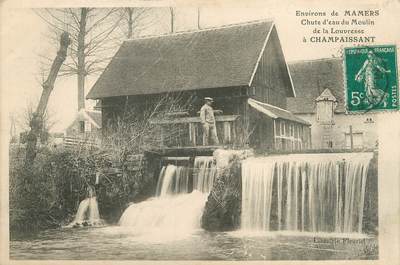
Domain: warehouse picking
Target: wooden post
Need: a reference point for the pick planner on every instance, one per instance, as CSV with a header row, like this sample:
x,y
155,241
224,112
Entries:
x,y
351,138
227,132
274,134
234,133
192,133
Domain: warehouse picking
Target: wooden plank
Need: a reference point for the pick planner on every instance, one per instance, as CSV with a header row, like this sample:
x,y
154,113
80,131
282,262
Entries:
x,y
176,158
194,148
192,133
193,119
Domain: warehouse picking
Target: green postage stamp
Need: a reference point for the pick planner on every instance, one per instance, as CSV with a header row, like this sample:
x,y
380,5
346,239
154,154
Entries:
x,y
371,78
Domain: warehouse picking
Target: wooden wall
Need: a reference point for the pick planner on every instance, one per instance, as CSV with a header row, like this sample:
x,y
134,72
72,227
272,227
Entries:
x,y
232,101
262,131
271,83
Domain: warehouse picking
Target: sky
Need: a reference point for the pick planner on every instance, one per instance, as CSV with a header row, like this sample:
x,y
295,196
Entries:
x,y
23,39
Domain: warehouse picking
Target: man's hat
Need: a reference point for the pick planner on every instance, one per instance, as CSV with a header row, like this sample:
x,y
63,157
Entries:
x,y
208,98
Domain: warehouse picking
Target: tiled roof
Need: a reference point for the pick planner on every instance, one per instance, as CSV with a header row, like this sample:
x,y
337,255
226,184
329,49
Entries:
x,y
212,58
311,78
326,95
275,112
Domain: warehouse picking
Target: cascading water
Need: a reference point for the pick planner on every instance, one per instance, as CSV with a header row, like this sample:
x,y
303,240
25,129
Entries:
x,y
88,212
173,180
203,179
305,192
177,208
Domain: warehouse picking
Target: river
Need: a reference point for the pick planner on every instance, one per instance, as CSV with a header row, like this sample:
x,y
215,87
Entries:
x,y
118,243
324,193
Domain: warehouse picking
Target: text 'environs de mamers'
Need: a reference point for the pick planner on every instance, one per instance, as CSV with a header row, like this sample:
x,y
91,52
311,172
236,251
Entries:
x,y
348,13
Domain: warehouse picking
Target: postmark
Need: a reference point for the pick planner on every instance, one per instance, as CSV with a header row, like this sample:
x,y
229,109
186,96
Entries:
x,y
370,78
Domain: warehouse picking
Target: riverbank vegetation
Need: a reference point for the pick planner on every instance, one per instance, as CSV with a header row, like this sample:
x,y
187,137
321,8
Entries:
x,y
46,192
48,196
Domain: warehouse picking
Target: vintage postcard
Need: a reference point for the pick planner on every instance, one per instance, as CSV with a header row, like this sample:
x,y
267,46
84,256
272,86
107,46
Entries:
x,y
196,132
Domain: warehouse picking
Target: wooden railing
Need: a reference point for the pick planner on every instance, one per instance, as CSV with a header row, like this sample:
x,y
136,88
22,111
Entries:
x,y
188,131
74,142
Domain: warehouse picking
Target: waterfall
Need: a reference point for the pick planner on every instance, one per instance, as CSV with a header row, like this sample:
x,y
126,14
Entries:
x,y
166,216
173,180
87,213
305,192
178,204
94,215
82,210
203,178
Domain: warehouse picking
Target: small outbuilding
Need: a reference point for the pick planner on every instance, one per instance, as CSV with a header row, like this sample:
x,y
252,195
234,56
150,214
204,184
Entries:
x,y
84,129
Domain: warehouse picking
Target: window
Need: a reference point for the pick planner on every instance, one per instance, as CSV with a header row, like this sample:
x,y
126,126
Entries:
x,y
81,126
289,135
326,104
325,112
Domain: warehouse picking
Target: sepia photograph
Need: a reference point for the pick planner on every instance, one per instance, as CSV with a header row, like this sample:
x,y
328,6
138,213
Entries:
x,y
173,132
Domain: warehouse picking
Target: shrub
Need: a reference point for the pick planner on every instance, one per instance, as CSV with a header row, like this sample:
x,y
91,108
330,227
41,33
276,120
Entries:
x,y
47,193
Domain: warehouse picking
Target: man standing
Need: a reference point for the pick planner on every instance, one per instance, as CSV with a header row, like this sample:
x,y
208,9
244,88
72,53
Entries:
x,y
208,121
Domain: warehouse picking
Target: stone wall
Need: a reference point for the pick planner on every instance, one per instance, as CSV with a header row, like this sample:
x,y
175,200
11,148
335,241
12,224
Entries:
x,y
365,124
370,218
223,207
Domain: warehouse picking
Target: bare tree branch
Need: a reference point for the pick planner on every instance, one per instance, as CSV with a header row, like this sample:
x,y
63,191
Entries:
x,y
102,19
94,34
59,20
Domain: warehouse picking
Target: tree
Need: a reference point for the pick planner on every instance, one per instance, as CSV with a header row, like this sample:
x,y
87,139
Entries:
x,y
93,40
36,122
134,20
24,121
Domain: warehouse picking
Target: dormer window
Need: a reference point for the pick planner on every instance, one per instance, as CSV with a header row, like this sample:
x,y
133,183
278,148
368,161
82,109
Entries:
x,y
326,104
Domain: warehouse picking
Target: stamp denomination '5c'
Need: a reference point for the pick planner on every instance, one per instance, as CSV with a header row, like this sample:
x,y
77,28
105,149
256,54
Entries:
x,y
371,78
